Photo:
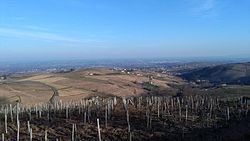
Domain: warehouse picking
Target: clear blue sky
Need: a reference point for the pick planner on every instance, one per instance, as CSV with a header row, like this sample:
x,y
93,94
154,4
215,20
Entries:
x,y
66,29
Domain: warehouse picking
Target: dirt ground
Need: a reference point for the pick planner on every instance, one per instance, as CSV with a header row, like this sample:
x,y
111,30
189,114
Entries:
x,y
163,128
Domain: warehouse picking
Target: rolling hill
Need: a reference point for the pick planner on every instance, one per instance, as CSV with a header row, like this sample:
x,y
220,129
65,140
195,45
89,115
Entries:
x,y
228,73
75,85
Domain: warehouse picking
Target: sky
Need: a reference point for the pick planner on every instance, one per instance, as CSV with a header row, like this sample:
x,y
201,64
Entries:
x,y
90,29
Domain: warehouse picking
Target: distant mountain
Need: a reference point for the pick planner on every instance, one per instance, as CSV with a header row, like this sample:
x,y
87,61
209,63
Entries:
x,y
238,73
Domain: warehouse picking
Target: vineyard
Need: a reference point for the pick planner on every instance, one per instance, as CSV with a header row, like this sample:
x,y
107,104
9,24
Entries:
x,y
131,119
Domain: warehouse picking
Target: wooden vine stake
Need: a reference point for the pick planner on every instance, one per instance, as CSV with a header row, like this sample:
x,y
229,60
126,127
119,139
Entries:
x,y
106,116
127,115
73,133
99,130
2,136
17,113
46,136
11,113
28,125
67,112
5,121
30,134
85,118
228,113
18,130
186,115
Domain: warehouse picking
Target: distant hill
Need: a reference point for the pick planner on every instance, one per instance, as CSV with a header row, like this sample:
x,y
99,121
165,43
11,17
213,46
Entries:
x,y
229,73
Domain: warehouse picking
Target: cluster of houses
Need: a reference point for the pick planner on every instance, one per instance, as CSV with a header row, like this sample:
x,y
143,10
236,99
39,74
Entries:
x,y
128,71
3,77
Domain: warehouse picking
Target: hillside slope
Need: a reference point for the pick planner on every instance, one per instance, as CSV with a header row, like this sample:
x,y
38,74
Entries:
x,y
75,85
229,73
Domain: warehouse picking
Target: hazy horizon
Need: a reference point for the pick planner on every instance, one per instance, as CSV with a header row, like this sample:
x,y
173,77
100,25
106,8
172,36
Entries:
x,y
75,29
